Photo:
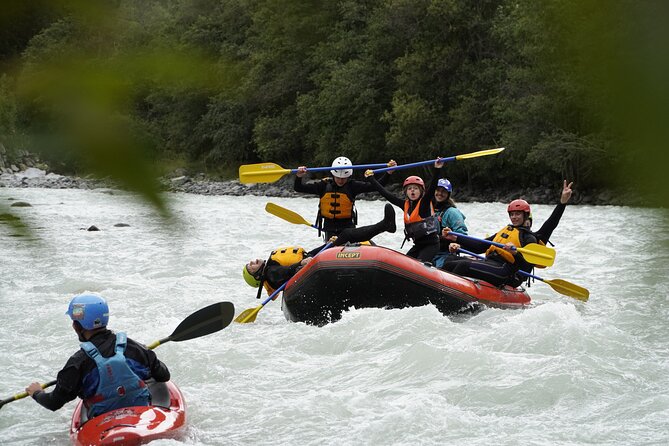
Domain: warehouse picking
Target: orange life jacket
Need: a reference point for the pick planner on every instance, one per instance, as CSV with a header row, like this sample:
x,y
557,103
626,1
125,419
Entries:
x,y
336,204
416,226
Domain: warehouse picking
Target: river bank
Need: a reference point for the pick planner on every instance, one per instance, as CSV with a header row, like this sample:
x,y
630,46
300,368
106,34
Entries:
x,y
34,177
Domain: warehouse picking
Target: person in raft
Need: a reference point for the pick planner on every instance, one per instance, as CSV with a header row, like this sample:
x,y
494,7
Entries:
x,y
336,208
86,375
284,263
420,223
449,217
500,264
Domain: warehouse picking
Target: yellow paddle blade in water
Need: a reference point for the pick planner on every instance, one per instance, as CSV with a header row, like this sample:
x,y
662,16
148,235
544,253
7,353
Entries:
x,y
248,315
569,289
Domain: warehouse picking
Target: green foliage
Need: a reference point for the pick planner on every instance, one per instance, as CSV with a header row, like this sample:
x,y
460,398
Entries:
x,y
573,89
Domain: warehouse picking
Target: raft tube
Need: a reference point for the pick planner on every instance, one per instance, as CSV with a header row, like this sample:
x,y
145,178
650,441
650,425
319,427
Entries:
x,y
375,277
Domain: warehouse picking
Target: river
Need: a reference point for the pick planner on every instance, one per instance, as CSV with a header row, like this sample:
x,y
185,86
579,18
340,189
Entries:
x,y
559,372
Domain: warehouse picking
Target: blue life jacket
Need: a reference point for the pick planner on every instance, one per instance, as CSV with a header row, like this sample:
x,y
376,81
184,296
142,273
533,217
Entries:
x,y
119,386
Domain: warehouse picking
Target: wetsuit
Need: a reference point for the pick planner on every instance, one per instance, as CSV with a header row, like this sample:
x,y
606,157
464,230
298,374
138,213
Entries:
x,y
425,247
344,202
495,269
544,233
449,216
79,377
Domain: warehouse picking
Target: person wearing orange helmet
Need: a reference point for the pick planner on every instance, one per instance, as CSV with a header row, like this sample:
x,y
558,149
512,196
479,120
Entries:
x,y
420,223
500,264
336,208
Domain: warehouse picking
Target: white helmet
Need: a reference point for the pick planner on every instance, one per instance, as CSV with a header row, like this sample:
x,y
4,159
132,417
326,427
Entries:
x,y
342,173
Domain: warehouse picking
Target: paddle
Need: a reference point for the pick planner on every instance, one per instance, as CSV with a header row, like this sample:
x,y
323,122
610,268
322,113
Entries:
x,y
204,321
533,252
561,286
464,156
287,214
250,314
271,172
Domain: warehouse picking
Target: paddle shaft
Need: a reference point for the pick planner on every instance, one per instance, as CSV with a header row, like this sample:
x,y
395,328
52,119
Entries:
x,y
442,160
410,165
354,167
532,252
559,285
479,256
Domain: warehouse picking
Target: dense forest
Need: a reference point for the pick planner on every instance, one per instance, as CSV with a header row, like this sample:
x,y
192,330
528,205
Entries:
x,y
119,86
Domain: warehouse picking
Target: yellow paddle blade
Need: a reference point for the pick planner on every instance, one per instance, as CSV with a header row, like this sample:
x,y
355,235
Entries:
x,y
538,254
465,156
569,289
261,173
286,214
248,315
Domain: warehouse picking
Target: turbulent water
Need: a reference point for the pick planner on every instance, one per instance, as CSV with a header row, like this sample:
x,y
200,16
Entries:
x,y
560,372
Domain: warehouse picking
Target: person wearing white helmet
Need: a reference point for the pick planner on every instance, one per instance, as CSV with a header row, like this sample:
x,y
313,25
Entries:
x,y
420,224
336,208
449,216
108,372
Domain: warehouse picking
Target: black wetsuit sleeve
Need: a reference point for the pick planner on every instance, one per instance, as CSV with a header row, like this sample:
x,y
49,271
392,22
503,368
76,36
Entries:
x,y
316,187
67,387
363,187
276,275
399,202
425,205
544,233
159,370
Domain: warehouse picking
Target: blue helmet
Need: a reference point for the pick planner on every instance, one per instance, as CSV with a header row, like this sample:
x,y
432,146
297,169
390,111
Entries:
x,y
443,182
89,310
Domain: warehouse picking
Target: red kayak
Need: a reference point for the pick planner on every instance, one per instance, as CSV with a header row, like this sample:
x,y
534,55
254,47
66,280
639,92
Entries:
x,y
165,418
375,277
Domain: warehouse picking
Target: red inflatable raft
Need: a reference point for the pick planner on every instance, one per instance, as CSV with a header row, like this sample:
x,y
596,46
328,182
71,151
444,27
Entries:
x,y
374,277
165,418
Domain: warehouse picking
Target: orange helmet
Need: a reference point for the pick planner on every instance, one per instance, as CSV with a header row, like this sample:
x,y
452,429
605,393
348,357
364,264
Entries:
x,y
413,179
519,205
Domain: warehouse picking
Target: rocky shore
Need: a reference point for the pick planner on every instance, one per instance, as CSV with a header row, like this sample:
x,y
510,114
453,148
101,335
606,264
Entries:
x,y
30,172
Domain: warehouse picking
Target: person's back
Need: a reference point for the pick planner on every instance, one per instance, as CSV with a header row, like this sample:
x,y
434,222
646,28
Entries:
x,y
108,372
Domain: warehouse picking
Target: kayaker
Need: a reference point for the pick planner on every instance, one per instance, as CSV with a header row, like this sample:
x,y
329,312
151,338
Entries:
x,y
108,372
336,208
500,264
420,224
284,263
449,217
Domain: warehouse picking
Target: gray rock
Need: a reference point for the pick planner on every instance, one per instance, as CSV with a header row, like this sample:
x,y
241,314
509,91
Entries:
x,y
20,204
